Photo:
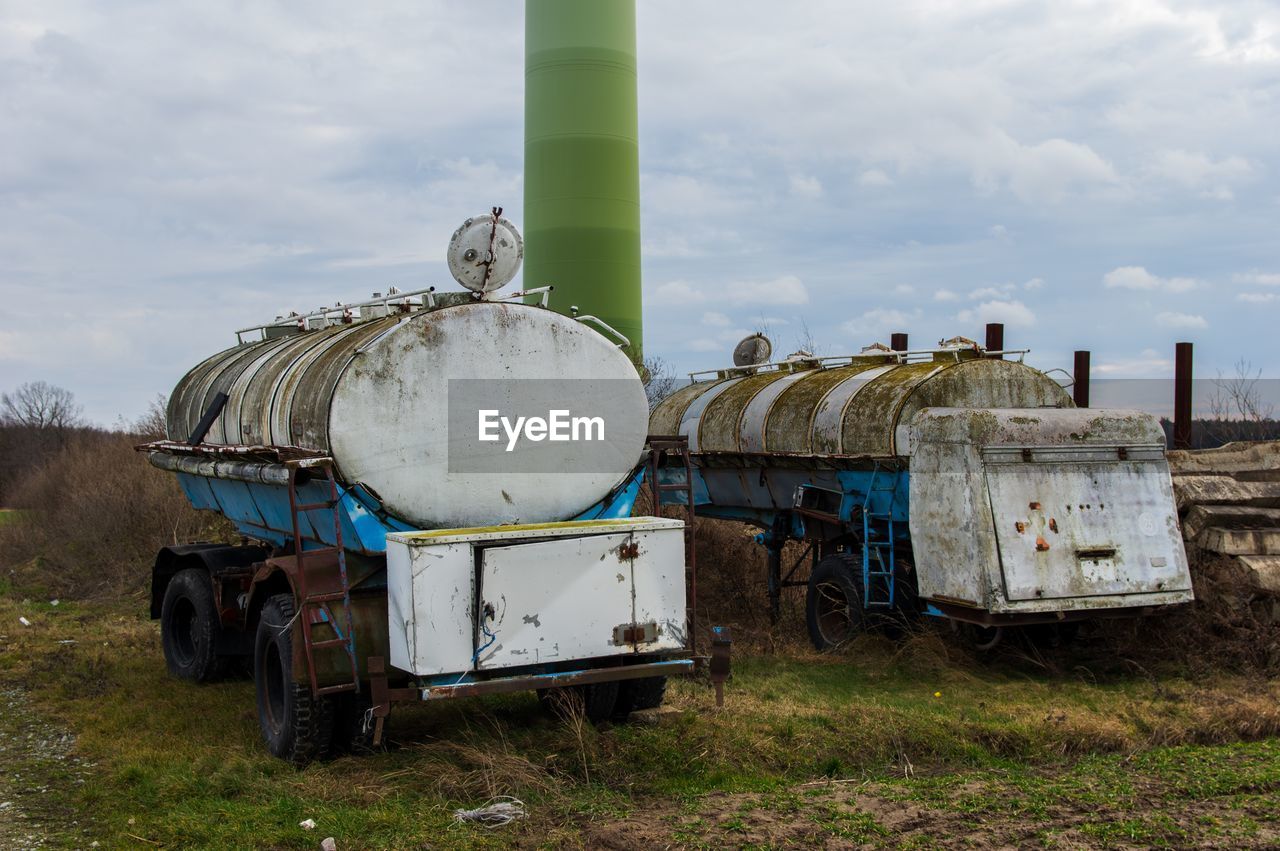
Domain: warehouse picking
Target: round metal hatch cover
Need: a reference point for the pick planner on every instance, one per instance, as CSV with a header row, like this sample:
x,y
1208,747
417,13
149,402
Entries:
x,y
485,253
752,350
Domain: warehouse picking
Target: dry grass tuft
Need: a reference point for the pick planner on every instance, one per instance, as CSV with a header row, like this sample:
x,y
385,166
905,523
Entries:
x,y
93,518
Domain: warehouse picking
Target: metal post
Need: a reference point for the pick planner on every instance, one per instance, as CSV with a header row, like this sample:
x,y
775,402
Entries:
x,y
1080,385
995,338
898,342
1182,397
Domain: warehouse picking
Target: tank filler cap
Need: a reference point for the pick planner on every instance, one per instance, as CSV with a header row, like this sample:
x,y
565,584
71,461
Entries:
x,y
752,350
485,253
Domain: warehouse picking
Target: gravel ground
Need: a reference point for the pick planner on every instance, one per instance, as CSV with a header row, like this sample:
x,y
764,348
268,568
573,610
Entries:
x,y
39,773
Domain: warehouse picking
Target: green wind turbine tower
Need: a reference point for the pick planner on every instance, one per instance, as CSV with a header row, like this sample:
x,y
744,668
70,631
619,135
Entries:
x,y
582,159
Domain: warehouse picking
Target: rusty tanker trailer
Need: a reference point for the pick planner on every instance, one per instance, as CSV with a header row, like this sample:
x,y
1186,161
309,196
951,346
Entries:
x,y
399,549
955,482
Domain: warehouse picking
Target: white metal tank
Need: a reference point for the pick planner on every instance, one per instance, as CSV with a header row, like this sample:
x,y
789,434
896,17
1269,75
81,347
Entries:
x,y
374,396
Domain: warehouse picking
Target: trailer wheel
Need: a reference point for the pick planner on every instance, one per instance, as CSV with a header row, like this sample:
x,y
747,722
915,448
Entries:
x,y
189,626
645,693
595,701
833,605
296,726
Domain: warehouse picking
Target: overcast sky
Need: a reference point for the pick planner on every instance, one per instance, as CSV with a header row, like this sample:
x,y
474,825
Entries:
x,y
1101,175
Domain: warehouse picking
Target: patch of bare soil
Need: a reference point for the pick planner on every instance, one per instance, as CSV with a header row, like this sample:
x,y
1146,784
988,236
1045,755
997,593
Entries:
x,y
841,815
39,773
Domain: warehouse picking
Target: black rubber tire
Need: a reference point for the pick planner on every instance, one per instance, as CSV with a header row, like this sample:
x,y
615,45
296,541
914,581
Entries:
x,y
350,735
833,604
296,726
646,693
598,700
189,627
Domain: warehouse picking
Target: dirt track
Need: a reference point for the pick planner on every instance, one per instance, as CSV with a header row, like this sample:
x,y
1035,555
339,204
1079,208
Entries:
x,y
38,773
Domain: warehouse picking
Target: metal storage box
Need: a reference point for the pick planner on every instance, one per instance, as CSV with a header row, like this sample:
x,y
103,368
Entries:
x,y
534,594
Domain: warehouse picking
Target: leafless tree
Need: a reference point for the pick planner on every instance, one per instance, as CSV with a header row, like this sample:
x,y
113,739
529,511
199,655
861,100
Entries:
x,y
1237,404
41,406
660,380
153,424
805,340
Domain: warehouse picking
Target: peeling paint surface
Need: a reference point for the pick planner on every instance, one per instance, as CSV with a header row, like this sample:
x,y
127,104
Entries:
x,y
1044,510
481,599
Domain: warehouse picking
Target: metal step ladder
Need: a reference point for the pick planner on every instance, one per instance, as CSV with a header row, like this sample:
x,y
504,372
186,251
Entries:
x,y
878,538
317,608
664,450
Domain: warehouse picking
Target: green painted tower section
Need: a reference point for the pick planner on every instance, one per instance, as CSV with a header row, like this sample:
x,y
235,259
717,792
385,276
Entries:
x,y
582,159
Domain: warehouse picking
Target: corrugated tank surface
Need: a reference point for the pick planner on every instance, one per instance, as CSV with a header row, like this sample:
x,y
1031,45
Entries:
x,y
859,409
374,395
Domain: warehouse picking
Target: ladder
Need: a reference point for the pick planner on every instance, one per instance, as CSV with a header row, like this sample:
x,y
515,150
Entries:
x,y
676,448
317,608
878,536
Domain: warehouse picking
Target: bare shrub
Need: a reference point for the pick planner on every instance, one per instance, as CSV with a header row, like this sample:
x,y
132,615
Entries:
x,y
92,518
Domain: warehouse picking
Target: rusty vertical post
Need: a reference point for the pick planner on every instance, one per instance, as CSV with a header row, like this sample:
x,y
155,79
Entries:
x,y
1183,397
995,337
1080,383
898,341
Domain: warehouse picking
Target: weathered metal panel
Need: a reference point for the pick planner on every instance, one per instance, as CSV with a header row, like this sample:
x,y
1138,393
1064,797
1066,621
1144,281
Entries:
x,y
827,422
430,606
872,415
576,598
1075,504
691,422
790,425
1086,529
313,394
669,413
375,396
260,395
980,383
389,418
721,421
553,589
755,417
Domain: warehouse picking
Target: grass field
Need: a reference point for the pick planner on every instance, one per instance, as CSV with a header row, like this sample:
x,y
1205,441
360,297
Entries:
x,y
882,746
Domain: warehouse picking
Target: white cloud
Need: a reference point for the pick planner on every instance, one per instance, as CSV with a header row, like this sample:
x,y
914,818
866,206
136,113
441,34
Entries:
x,y
1034,284
991,292
675,293
1257,298
946,295
1194,170
904,290
806,186
716,320
1138,278
874,177
998,231
787,289
1147,364
1265,279
1181,320
1012,313
879,323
